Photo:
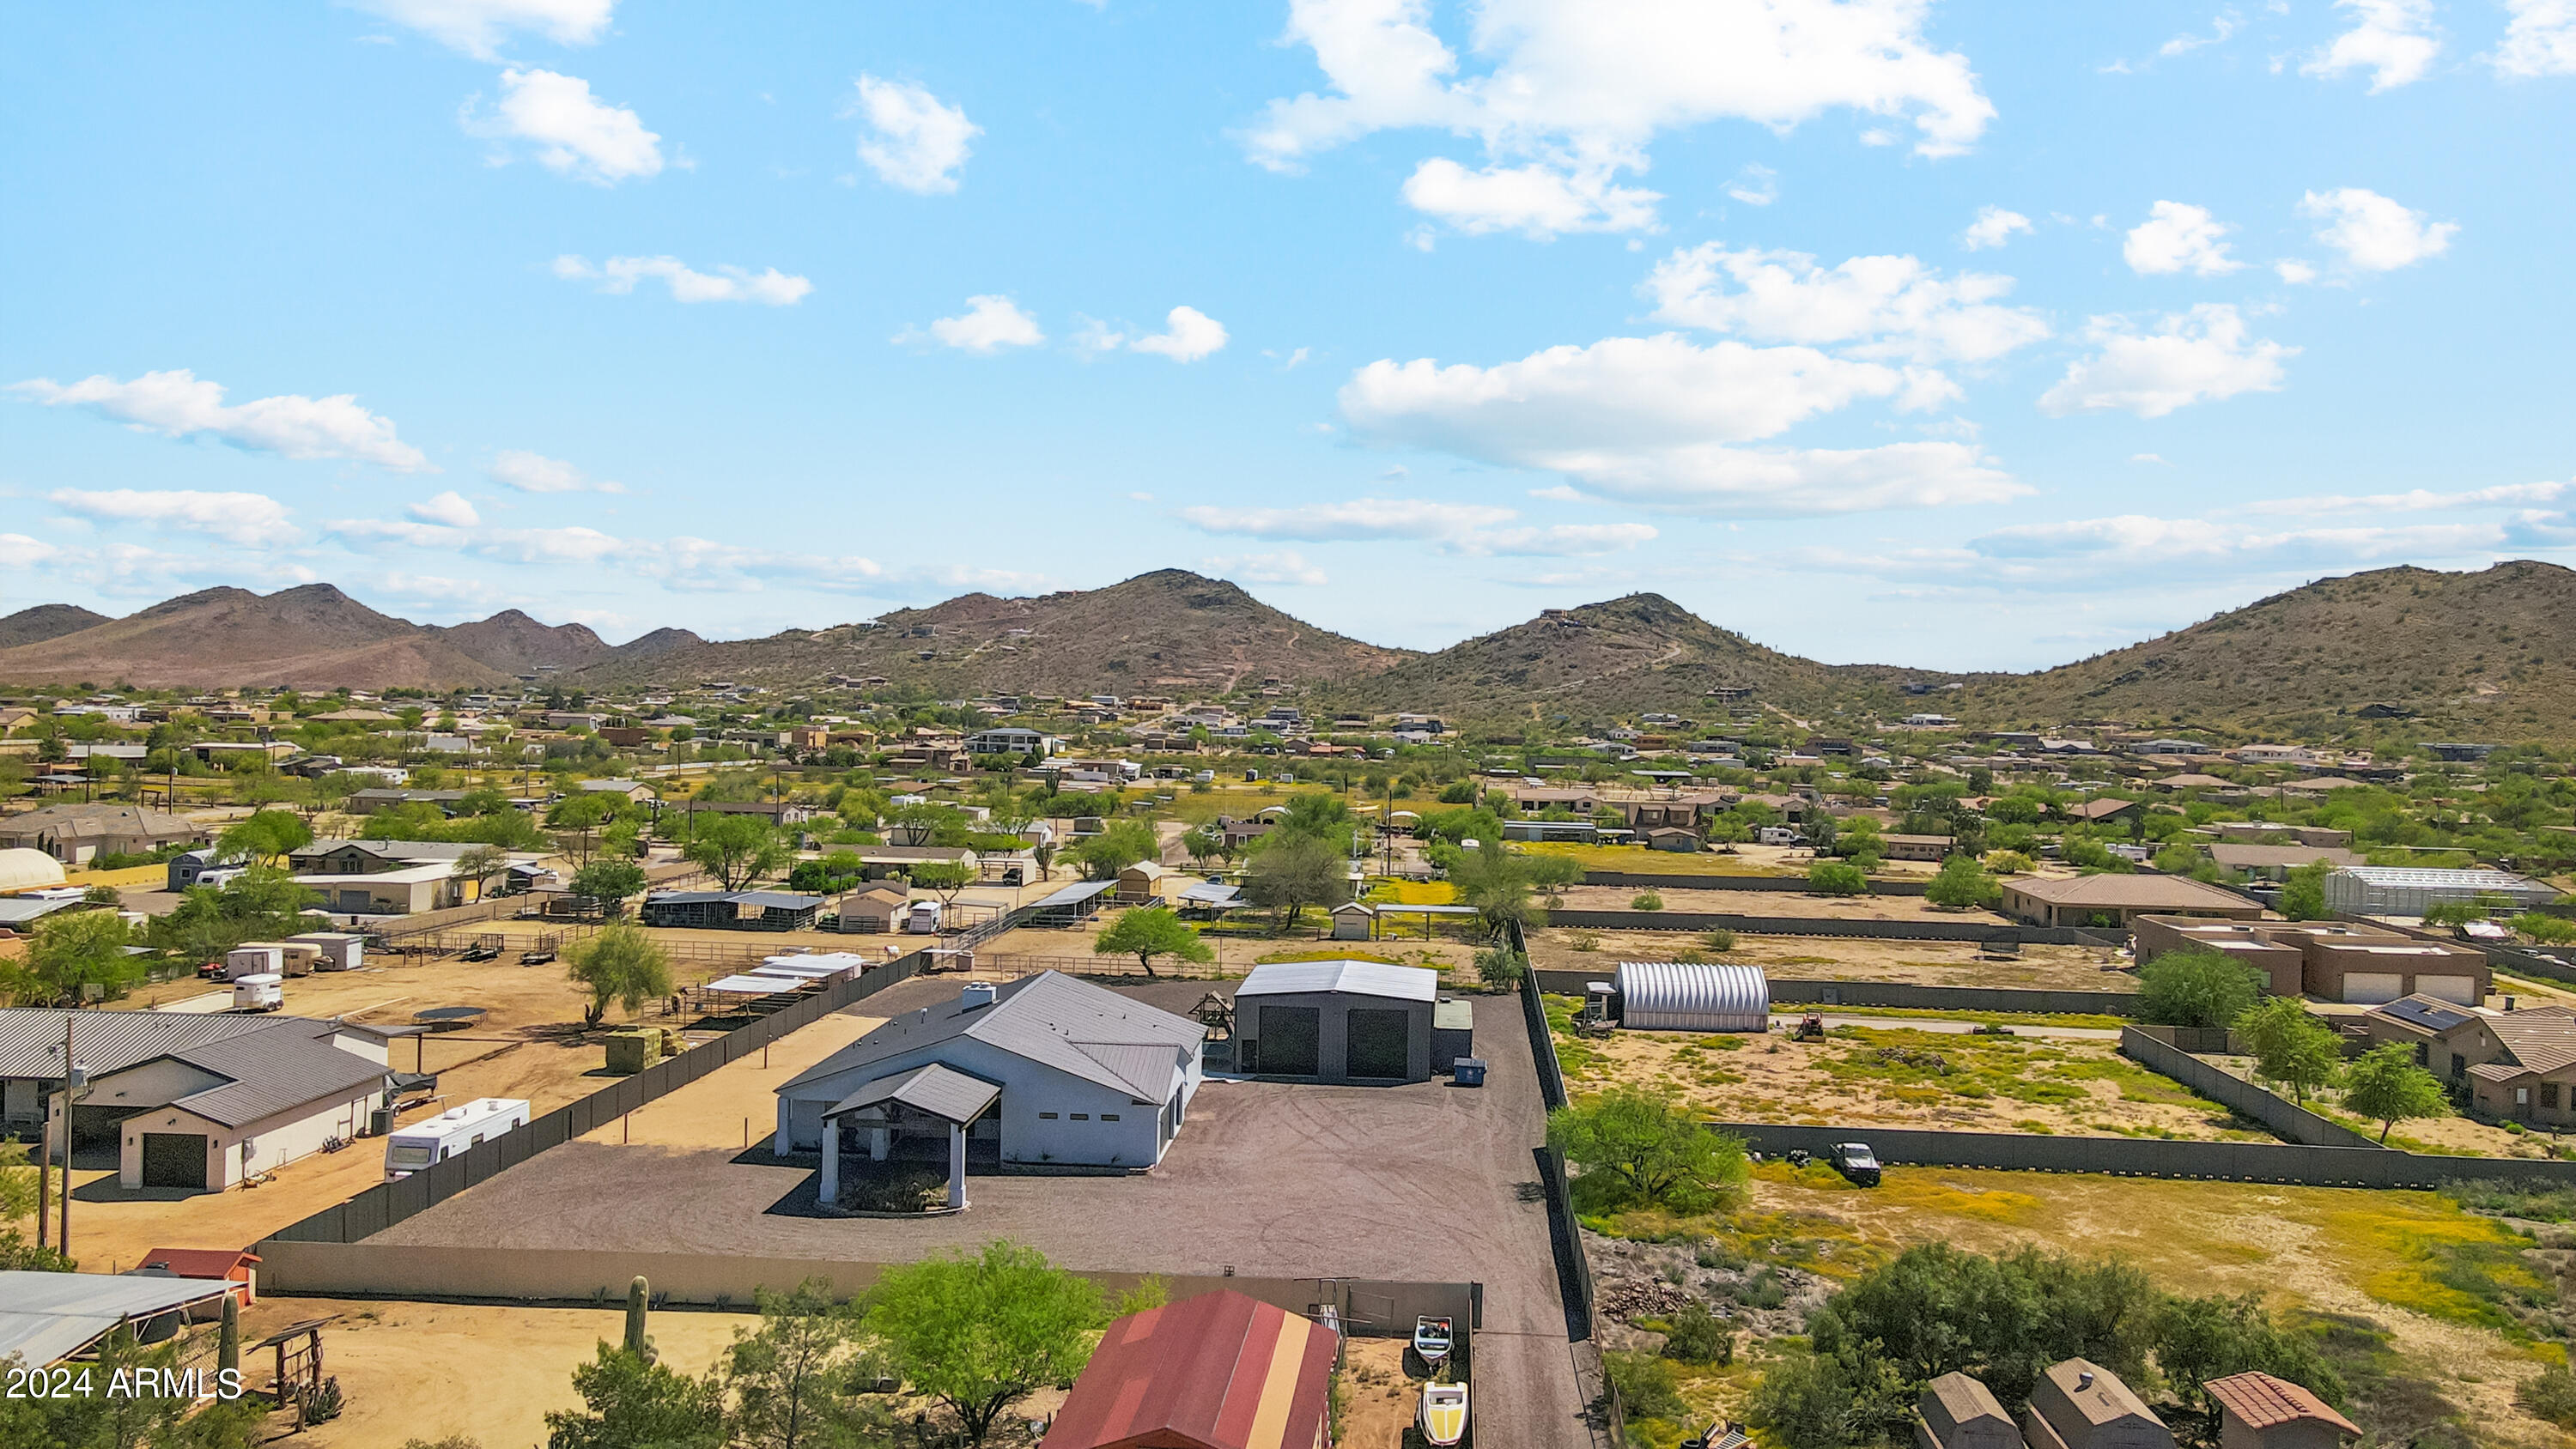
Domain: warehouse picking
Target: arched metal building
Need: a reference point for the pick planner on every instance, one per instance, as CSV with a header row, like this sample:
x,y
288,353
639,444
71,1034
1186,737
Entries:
x,y
1693,996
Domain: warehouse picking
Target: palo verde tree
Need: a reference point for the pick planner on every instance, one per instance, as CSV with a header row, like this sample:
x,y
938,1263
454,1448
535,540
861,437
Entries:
x,y
1634,1148
266,836
736,849
608,880
977,1332
2196,986
2290,1046
621,964
943,878
794,1382
1291,872
2386,1086
76,956
1961,884
1151,931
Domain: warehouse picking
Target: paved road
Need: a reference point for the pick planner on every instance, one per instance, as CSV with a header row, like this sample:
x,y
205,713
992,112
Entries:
x,y
1423,1183
1790,1019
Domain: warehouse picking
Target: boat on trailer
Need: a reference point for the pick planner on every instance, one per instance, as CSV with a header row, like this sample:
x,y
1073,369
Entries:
x,y
1444,1413
1431,1339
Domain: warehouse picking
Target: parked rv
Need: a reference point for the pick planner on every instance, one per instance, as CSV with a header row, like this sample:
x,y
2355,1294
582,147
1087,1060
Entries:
x,y
424,1144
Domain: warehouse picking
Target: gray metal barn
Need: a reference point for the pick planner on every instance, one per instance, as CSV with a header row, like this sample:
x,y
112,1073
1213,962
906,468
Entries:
x,y
1336,1021
1693,996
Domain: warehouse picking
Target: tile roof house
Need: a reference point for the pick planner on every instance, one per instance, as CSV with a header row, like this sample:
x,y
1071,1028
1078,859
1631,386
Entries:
x,y
75,833
2258,1411
2086,900
1218,1371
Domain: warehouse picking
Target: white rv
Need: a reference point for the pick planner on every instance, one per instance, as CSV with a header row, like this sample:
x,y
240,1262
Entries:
x,y
417,1147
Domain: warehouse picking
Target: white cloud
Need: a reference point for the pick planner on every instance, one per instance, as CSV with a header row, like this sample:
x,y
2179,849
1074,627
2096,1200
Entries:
x,y
913,142
1993,227
536,473
1286,567
1188,334
449,509
178,403
990,323
2093,553
2422,500
2294,271
2540,40
2392,39
1755,185
251,520
2177,237
2198,356
477,27
1894,307
1577,90
1654,421
1476,530
574,133
726,284
2220,28
18,551
1536,200
2374,233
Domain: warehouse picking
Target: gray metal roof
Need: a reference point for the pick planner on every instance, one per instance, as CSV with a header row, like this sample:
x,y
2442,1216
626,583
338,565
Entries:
x,y
1076,894
1356,978
31,1038
19,910
49,1315
1050,1018
274,1072
270,1064
2436,878
937,1090
1146,1068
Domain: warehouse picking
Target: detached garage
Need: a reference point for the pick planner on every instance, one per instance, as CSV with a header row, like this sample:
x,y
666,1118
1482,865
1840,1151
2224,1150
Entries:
x,y
1336,1021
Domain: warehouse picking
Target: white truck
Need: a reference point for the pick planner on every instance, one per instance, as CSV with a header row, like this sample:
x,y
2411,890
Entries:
x,y
421,1145
259,991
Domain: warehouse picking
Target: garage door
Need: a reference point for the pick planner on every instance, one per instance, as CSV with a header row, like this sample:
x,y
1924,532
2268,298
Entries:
x,y
1289,1040
2371,988
174,1159
1378,1040
2462,990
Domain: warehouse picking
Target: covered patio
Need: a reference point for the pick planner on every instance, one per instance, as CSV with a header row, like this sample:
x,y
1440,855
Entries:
x,y
913,1103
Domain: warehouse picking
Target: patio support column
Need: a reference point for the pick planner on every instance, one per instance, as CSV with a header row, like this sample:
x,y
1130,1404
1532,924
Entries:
x,y
832,1161
957,1164
879,1140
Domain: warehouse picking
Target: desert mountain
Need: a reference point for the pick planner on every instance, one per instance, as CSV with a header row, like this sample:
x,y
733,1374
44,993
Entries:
x,y
2487,655
516,644
43,622
1166,632
305,637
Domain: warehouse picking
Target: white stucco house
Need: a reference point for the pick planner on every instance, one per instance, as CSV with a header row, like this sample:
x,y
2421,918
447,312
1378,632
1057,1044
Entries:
x,y
1047,1069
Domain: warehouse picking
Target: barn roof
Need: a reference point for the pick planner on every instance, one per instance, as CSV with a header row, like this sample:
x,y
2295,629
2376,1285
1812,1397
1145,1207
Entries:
x,y
1218,1371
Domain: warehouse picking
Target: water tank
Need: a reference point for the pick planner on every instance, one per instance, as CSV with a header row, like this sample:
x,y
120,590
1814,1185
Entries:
x,y
1687,996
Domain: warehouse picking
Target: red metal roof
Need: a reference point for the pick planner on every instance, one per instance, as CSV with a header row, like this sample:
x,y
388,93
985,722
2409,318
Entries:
x,y
199,1262
1218,1371
2262,1401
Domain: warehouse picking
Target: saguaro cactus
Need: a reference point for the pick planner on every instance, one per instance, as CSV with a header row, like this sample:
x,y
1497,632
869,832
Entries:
x,y
228,1336
638,1295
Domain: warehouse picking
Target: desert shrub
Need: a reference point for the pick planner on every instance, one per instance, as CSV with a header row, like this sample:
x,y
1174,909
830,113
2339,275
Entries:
x,y
1645,901
1699,1336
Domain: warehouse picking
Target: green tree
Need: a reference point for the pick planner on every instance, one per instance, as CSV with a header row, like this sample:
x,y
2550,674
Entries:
x,y
1120,844
2290,1046
1963,883
262,903
736,849
74,951
1501,968
1496,882
621,964
608,880
479,863
2386,1086
1148,932
943,878
977,1332
630,1404
267,836
1837,878
2303,895
2199,1339
2008,862
2196,986
1289,874
577,818
1634,1147
1203,845
791,1382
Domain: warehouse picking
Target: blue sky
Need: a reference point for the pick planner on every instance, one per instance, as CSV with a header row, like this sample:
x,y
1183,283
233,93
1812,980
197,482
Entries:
x,y
1961,335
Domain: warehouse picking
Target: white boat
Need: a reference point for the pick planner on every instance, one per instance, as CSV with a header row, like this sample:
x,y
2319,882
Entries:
x,y
1444,1413
1431,1339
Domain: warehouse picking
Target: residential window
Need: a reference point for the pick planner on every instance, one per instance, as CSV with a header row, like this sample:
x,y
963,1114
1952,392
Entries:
x,y
1046,1116
1082,1116
1112,1116
2522,1096
2549,1095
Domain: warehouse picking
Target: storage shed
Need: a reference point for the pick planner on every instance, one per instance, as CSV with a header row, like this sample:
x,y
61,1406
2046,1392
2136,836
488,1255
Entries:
x,y
1957,1412
1218,1371
1336,1021
1693,996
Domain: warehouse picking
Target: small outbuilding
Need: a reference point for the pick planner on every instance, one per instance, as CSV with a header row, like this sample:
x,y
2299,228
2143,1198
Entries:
x,y
2079,1404
733,910
1673,838
1693,996
1354,921
1336,1021
2259,1411
1957,1412
1218,1371
1453,1032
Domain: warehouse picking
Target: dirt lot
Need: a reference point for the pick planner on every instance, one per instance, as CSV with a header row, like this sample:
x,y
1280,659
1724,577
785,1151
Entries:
x,y
1069,948
1681,901
1827,958
486,1371
2397,1261
1264,1180
2449,1134
1901,1077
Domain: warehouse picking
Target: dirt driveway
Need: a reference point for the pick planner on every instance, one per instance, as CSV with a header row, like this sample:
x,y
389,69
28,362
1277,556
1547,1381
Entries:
x,y
1424,1182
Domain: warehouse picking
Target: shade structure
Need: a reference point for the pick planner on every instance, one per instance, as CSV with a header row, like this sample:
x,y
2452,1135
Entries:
x,y
1218,1371
1693,996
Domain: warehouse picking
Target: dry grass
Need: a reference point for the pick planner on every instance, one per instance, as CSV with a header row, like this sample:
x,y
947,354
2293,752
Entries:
x,y
1826,958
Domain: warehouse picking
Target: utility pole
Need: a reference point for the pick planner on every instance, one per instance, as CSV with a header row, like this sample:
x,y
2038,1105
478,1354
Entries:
x,y
71,1085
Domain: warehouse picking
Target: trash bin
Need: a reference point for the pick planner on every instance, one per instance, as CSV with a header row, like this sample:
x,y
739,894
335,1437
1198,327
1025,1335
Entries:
x,y
1468,1071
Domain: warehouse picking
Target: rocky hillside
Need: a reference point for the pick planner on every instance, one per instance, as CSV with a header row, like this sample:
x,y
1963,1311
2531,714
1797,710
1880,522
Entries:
x,y
2489,655
43,622
514,643
307,637
1169,632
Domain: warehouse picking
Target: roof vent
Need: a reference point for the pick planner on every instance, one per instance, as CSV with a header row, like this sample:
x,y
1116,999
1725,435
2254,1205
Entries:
x,y
977,993
2084,1379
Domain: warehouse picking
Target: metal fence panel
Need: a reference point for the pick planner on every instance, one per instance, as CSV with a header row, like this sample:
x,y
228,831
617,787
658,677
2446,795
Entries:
x,y
2286,1119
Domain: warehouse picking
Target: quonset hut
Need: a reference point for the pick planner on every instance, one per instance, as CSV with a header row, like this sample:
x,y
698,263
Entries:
x,y
1693,996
